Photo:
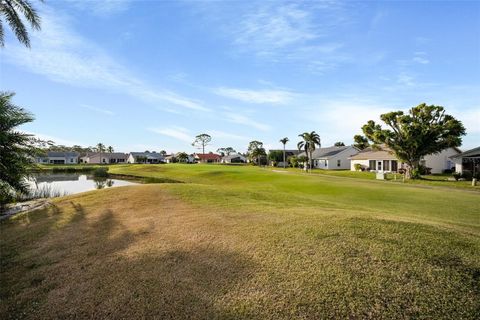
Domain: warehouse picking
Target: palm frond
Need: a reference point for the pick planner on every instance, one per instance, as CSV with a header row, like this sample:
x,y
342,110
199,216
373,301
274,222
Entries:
x,y
28,11
15,22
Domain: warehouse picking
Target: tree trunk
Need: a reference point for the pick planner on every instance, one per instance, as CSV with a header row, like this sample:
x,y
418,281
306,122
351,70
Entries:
x,y
412,169
283,156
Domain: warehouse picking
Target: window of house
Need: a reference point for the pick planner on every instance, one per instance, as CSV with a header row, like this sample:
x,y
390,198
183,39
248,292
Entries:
x,y
71,160
339,163
372,164
386,165
326,163
394,165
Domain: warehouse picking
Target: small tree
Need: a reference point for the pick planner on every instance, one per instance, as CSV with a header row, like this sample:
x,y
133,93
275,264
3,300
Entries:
x,y
361,142
275,156
293,161
339,144
424,130
17,150
182,157
110,149
163,153
202,140
308,144
226,151
256,151
284,142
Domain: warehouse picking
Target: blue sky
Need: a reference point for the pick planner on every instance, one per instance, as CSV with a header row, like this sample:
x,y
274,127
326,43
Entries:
x,y
150,75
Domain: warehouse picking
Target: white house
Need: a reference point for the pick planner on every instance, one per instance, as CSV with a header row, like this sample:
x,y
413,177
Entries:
x,y
104,157
59,157
467,161
332,158
234,158
383,159
145,157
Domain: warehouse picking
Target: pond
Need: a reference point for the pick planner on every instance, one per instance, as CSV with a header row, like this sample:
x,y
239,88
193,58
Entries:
x,y
60,184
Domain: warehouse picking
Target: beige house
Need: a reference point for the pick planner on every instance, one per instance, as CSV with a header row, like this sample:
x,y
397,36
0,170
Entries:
x,y
467,161
104,157
383,160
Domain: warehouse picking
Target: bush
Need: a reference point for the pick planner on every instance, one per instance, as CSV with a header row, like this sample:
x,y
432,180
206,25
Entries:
x,y
101,172
423,170
456,175
357,166
447,171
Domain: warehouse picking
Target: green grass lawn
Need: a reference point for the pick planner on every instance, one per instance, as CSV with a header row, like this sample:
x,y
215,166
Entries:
x,y
246,242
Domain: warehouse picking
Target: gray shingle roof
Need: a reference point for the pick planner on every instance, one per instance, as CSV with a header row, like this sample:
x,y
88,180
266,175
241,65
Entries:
x,y
324,153
62,154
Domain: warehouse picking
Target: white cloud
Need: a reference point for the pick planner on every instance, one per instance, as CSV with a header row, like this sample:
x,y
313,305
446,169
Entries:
x,y
405,79
55,139
101,7
99,110
175,132
244,120
256,96
216,134
421,57
63,56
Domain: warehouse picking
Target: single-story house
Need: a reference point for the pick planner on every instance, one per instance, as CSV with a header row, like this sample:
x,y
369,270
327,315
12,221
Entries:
x,y
234,158
104,157
382,159
207,157
467,161
145,157
170,158
59,157
332,158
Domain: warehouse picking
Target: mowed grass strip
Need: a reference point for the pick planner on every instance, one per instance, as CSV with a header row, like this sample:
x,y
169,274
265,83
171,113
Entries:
x,y
242,242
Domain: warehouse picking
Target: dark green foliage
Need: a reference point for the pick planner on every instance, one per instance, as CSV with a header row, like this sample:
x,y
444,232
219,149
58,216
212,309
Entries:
x,y
308,144
256,152
339,144
424,130
101,172
17,150
182,157
360,142
15,12
275,155
226,151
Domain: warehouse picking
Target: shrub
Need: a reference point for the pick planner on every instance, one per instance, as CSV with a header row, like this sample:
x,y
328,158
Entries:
x,y
357,166
447,171
101,172
456,175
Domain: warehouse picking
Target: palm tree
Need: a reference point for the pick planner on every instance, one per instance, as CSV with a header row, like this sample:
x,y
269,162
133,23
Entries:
x,y
284,141
310,140
110,149
10,10
100,149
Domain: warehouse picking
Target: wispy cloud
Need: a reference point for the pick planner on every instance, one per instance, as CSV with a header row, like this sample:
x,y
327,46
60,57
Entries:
x,y
256,96
55,139
101,7
175,132
293,33
421,57
246,121
64,56
217,134
99,110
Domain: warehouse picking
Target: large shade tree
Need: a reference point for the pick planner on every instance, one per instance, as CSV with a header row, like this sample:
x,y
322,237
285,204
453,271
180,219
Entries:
x,y
202,140
15,12
17,149
360,142
424,130
308,144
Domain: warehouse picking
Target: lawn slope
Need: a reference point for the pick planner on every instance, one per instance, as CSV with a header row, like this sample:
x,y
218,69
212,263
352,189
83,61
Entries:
x,y
243,242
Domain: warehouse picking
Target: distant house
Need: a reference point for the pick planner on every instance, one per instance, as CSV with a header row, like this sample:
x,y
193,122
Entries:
x,y
170,158
332,158
207,157
145,157
59,157
104,157
383,159
234,158
467,161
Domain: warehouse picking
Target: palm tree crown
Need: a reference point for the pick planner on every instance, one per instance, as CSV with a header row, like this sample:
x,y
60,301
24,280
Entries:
x,y
10,10
308,144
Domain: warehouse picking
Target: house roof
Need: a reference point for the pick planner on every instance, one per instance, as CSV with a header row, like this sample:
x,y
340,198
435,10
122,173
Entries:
x,y
325,153
207,156
287,151
233,156
475,152
383,153
116,155
62,154
149,155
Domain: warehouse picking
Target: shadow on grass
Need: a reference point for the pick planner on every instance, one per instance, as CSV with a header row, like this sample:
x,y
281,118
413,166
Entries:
x,y
86,268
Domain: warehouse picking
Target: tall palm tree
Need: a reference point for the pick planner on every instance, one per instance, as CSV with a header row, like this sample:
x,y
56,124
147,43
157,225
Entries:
x,y
284,141
310,140
11,10
100,149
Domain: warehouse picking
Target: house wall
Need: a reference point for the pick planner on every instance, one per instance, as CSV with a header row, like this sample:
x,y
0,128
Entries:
x,y
440,161
332,162
130,159
363,163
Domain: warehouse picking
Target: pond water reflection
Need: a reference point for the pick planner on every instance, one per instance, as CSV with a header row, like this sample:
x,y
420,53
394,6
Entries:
x,y
71,183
